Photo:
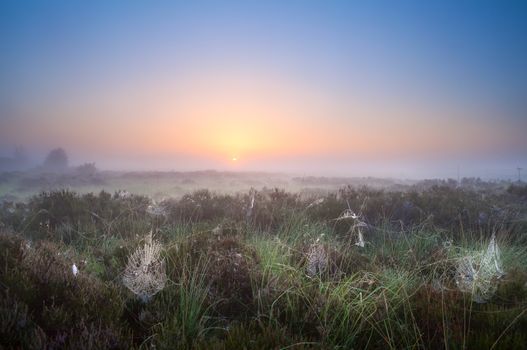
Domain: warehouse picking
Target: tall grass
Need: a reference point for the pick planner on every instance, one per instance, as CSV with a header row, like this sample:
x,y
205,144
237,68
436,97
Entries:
x,y
188,314
239,281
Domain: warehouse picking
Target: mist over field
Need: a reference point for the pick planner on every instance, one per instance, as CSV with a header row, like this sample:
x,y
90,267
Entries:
x,y
488,168
297,174
387,90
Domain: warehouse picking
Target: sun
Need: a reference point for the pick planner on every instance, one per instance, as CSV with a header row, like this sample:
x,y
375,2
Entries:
x,y
234,159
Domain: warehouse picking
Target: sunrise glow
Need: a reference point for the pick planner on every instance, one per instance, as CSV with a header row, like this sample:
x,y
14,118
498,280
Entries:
x,y
194,87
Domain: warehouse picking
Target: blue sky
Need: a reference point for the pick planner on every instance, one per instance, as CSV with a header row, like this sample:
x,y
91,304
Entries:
x,y
376,81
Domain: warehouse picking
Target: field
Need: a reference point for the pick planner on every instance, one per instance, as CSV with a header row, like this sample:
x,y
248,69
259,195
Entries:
x,y
160,185
261,262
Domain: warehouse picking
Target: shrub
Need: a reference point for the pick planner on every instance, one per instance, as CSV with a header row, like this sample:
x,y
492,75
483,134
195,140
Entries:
x,y
232,264
17,328
41,277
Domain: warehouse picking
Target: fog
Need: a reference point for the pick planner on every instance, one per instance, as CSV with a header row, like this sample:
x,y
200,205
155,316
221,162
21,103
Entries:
x,y
503,168
333,89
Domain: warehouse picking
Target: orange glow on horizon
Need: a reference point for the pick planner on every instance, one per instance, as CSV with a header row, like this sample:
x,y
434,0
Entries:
x,y
226,118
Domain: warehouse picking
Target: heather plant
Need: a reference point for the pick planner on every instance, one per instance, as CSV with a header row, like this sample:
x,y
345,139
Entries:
x,y
17,329
232,265
67,216
266,269
257,336
61,306
518,190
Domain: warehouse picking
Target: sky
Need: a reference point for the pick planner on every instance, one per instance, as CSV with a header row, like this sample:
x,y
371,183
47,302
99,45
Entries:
x,y
383,88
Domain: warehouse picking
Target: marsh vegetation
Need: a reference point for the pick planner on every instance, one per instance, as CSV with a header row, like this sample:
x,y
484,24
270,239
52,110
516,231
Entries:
x,y
430,265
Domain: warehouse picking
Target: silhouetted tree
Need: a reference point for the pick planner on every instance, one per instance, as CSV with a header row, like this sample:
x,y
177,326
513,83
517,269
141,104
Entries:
x,y
56,159
86,169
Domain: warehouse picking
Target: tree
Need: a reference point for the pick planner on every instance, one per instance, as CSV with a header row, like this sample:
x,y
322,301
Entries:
x,y
56,159
86,169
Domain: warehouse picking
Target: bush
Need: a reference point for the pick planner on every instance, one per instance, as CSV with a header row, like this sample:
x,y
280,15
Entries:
x,y
63,306
261,279
231,265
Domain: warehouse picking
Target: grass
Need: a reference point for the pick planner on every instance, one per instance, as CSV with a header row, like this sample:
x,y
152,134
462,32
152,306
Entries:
x,y
190,319
242,281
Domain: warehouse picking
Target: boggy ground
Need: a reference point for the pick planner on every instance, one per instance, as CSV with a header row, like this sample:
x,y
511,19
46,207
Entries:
x,y
265,270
